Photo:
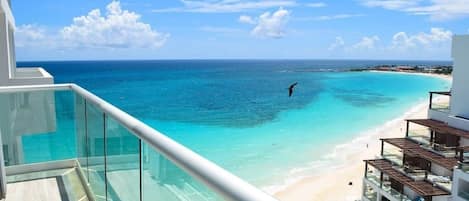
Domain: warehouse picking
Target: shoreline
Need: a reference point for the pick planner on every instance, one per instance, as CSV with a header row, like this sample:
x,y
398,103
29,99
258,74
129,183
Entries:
x,y
333,183
441,76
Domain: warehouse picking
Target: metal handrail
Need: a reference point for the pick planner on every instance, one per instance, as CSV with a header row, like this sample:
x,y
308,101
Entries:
x,y
216,178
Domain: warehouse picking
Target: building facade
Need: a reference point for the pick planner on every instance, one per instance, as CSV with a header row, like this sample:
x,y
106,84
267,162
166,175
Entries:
x,y
431,162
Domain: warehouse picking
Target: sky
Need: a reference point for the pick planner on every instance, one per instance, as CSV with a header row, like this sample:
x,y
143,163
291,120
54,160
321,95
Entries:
x,y
238,29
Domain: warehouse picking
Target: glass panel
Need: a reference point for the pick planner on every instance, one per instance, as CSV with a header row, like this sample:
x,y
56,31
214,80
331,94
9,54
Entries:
x,y
440,102
122,163
463,189
393,155
81,133
96,161
37,126
420,134
373,175
164,181
370,193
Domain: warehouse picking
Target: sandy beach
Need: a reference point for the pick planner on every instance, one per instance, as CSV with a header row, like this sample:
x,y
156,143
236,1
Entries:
x,y
333,185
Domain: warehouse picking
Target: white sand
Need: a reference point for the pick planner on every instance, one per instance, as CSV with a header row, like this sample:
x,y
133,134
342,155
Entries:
x,y
332,185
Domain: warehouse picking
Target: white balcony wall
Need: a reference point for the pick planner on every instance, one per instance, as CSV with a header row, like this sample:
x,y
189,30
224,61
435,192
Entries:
x,y
460,95
441,171
11,50
460,185
4,64
438,115
9,74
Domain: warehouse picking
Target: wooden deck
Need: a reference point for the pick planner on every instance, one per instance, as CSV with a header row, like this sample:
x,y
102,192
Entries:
x,y
440,127
422,188
411,148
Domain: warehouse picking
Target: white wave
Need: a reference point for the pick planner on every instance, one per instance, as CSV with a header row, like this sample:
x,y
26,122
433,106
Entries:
x,y
336,158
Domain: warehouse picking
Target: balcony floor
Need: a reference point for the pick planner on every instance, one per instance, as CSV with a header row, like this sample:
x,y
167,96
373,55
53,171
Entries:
x,y
40,190
52,185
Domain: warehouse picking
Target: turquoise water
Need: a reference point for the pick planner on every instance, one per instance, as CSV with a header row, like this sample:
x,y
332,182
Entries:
x,y
238,113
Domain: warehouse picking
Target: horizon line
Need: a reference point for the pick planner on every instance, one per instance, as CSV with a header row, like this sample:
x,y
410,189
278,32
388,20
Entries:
x,y
237,59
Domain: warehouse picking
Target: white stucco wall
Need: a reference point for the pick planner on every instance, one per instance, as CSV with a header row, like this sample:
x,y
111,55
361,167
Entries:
x,y
9,74
459,176
11,50
460,95
441,198
459,104
438,115
4,64
438,170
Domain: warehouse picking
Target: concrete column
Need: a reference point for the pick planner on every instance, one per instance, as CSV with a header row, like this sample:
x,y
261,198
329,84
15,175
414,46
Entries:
x,y
11,50
460,96
4,51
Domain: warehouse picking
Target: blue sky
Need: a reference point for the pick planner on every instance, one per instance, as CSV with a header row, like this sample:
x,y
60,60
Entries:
x,y
238,29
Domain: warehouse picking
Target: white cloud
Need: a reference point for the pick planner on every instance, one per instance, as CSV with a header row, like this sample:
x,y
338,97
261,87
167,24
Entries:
x,y
246,19
316,5
116,29
329,17
435,44
391,4
27,34
438,10
436,38
366,43
338,43
443,9
271,25
226,6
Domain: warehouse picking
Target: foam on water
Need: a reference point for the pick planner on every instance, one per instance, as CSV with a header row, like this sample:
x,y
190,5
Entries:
x,y
338,157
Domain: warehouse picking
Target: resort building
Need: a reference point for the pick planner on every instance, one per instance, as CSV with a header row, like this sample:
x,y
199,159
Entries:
x,y
431,161
61,142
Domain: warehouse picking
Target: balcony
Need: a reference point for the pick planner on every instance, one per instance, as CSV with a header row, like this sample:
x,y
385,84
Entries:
x,y
435,136
31,76
378,179
63,141
392,182
418,163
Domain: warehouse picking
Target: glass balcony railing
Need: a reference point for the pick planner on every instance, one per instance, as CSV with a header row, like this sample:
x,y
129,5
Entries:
x,y
463,156
386,186
395,157
369,193
117,157
420,136
374,179
395,194
440,101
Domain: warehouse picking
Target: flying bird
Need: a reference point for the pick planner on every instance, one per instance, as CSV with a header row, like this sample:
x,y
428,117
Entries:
x,y
290,89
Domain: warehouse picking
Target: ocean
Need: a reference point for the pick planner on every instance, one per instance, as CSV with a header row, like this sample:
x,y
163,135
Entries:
x,y
237,113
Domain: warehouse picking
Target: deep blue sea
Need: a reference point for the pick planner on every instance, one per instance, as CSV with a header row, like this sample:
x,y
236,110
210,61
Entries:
x,y
237,113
